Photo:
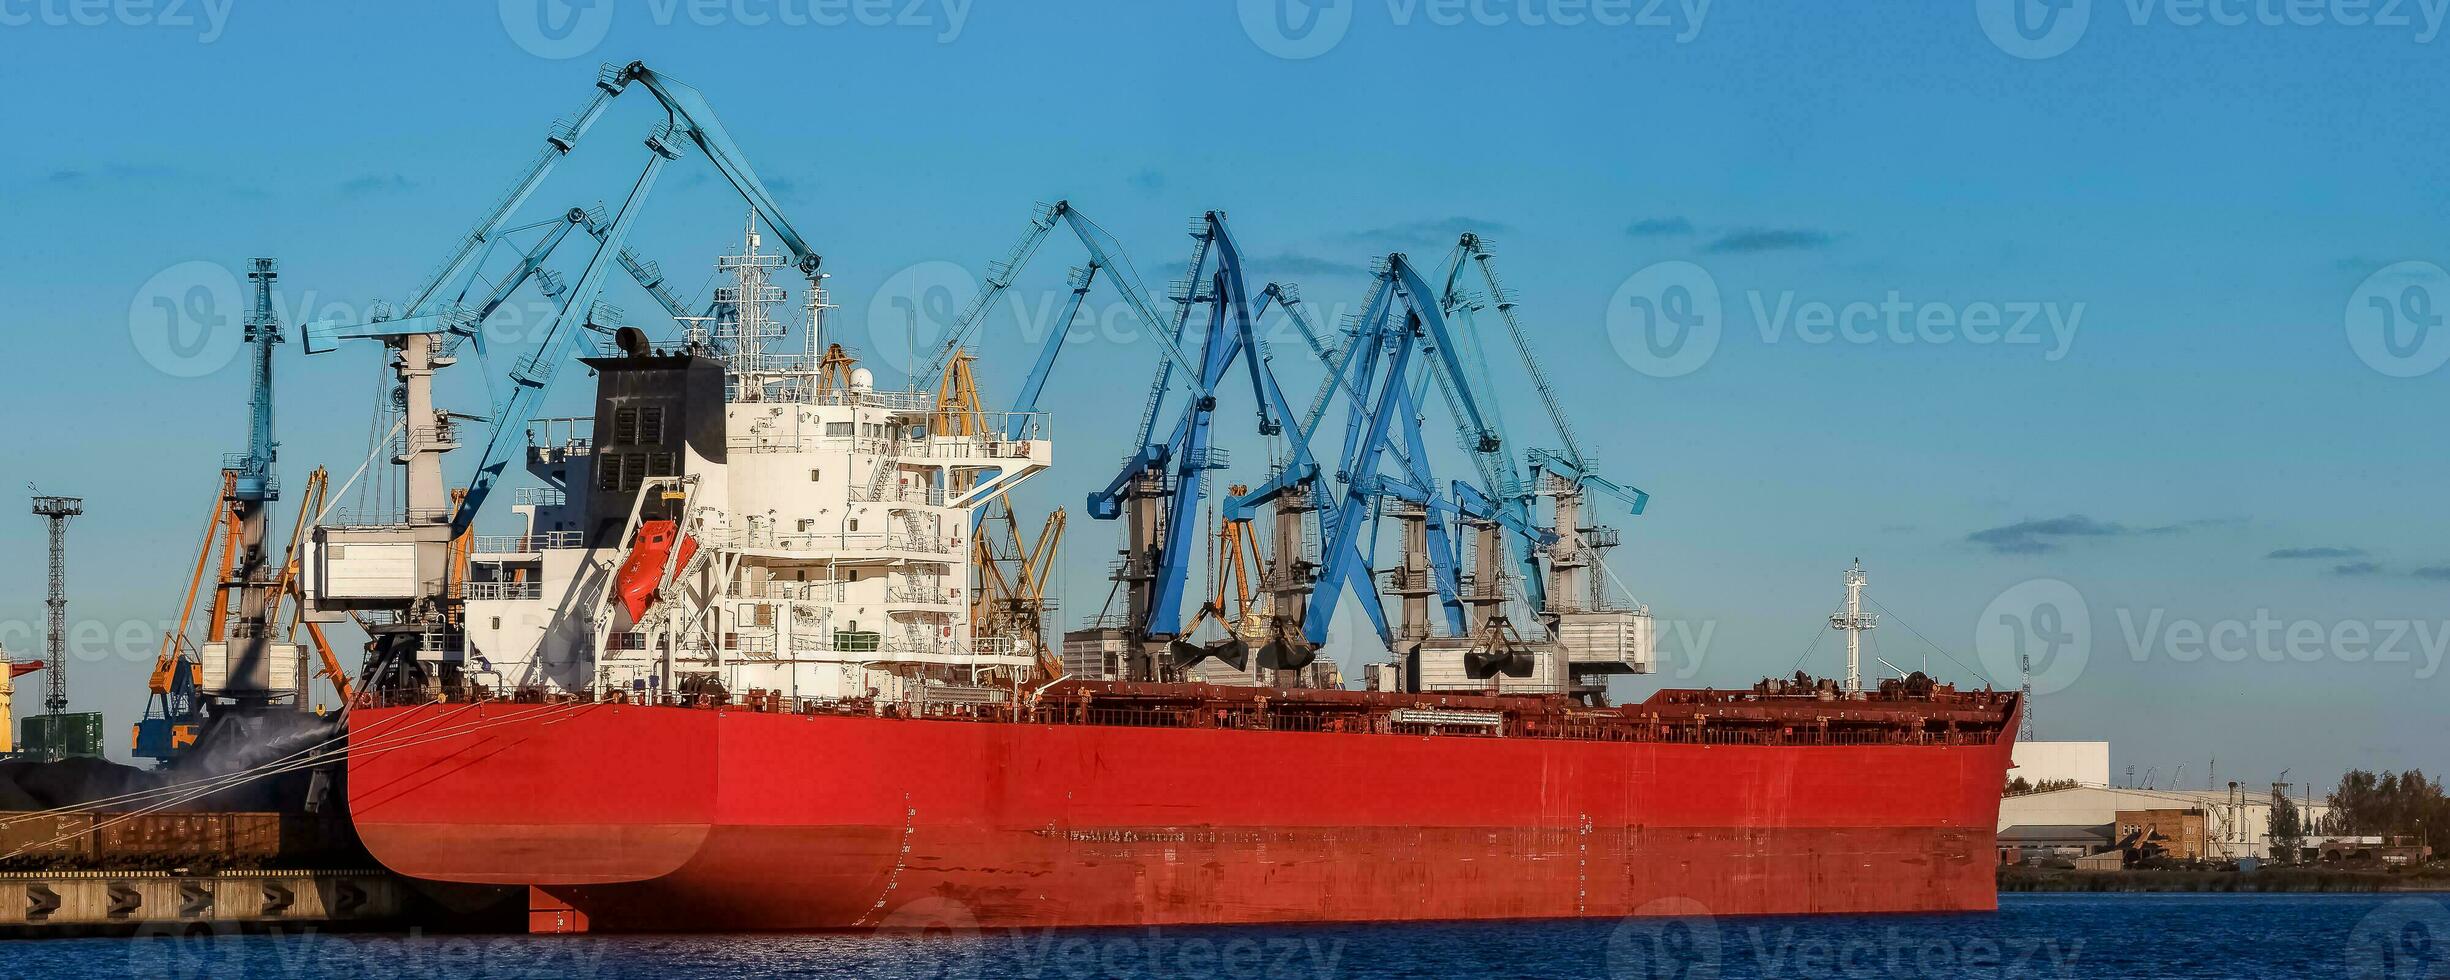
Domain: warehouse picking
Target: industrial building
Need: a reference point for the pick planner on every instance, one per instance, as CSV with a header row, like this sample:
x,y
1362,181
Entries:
x,y
2086,763
2236,822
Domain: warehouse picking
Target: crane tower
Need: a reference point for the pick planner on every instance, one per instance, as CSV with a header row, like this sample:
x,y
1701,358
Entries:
x,y
57,511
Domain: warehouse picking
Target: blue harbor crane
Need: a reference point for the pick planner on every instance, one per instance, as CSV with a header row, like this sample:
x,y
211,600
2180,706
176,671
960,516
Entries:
x,y
450,309
1162,480
243,589
1564,474
690,121
1403,318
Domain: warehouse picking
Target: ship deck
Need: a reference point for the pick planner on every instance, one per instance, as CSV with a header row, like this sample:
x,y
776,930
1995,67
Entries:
x,y
1769,714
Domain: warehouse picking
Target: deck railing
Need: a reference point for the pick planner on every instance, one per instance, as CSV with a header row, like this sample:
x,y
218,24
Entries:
x,y
1261,717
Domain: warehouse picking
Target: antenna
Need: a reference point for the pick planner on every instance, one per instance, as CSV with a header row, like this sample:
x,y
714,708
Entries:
x,y
1854,622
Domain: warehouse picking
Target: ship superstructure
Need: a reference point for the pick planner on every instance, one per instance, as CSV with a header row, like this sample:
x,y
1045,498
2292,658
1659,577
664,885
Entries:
x,y
735,520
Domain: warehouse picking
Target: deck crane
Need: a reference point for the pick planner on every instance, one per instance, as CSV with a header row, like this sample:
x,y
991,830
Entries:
x,y
417,339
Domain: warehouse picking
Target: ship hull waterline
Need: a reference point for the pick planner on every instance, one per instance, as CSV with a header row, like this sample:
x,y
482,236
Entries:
x,y
682,819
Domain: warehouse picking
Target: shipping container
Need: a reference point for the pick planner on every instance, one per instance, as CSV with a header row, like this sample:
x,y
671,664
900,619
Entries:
x,y
76,735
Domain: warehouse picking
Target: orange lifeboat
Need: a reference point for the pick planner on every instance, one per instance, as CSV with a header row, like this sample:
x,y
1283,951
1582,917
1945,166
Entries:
x,y
643,571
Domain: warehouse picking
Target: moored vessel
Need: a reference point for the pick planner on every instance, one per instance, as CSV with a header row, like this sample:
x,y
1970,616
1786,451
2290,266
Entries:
x,y
765,649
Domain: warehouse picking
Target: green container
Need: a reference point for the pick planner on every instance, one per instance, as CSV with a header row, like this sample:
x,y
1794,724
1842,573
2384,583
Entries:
x,y
76,735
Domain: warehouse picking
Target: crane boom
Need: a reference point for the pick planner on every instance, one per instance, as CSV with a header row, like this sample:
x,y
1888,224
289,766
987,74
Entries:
x,y
692,115
559,141
1479,252
534,376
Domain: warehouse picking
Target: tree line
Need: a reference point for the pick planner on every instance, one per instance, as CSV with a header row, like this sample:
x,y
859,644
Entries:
x,y
2385,804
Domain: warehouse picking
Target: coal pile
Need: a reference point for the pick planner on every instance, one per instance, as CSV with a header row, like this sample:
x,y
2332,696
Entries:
x,y
235,757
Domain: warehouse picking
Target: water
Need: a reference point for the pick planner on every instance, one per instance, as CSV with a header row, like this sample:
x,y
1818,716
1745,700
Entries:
x,y
2260,937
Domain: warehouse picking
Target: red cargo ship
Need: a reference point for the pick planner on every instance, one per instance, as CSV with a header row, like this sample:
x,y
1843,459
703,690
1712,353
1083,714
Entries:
x,y
749,665
1113,803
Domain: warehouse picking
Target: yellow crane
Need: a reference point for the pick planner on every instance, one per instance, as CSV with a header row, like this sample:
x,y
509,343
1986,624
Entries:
x,y
1010,599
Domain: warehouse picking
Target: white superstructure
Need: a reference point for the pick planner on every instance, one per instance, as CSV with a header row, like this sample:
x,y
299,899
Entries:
x,y
832,525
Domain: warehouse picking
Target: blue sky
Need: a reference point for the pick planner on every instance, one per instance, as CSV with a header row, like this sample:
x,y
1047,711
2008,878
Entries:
x,y
2200,201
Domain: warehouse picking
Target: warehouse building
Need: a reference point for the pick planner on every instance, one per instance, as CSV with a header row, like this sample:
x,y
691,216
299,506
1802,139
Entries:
x,y
2236,823
2087,763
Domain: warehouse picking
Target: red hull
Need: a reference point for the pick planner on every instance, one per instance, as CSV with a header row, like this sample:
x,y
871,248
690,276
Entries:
x,y
675,818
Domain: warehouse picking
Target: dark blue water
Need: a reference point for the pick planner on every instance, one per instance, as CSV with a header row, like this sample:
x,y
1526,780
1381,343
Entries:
x,y
2266,937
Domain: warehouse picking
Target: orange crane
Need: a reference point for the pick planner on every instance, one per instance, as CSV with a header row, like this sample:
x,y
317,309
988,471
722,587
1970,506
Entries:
x,y
318,484
1009,597
173,708
174,712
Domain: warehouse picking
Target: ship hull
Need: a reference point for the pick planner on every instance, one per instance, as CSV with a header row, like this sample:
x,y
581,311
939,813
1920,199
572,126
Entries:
x,y
663,818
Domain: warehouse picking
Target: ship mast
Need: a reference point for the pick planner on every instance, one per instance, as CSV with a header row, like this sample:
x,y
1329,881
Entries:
x,y
1854,622
741,340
